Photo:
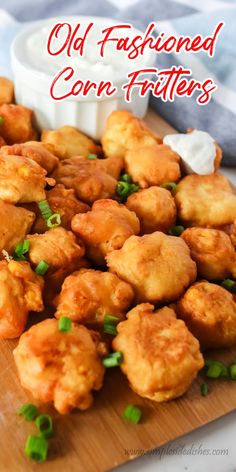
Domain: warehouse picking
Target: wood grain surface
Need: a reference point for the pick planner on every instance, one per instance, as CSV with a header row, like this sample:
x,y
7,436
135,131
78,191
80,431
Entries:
x,y
98,439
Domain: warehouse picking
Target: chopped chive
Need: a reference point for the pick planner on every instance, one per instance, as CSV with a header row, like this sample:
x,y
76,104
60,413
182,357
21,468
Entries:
x,y
64,324
172,186
113,360
44,425
176,230
229,284
1,120
109,325
29,411
36,448
21,249
214,371
45,209
204,389
126,178
92,156
133,414
232,371
125,189
42,267
54,220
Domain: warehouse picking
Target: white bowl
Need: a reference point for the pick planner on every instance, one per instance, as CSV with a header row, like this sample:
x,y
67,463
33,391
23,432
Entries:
x,y
34,70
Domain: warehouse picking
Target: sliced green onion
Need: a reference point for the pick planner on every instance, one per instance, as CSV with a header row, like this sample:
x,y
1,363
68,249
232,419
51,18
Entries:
x,y
45,209
92,156
44,425
229,284
172,186
42,267
21,249
29,411
126,178
125,189
216,365
64,324
215,370
36,448
113,360
1,120
109,325
232,371
54,220
133,414
204,389
176,230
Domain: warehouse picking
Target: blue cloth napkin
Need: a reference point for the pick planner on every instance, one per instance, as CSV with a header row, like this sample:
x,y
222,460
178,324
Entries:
x,y
187,17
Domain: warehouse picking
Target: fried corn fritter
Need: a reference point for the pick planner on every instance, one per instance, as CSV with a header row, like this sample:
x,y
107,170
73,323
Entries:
x,y
161,357
158,267
209,311
60,367
6,91
205,200
155,209
20,293
16,126
34,150
87,296
69,142
213,252
118,224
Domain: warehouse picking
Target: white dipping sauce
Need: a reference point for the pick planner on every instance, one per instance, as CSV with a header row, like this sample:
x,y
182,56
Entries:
x,y
197,150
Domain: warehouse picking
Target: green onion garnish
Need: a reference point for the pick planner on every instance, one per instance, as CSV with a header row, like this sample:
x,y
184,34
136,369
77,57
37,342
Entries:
x,y
36,448
54,220
92,156
232,371
113,360
133,414
176,230
64,324
109,325
45,209
204,389
29,411
229,284
215,370
172,186
126,178
44,425
42,267
21,249
1,120
125,189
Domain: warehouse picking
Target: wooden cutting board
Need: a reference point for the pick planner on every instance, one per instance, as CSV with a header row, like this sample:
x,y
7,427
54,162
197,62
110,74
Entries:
x,y
99,439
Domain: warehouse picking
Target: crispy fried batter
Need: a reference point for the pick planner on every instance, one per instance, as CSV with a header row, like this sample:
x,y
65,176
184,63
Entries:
x,y
158,266
210,313
17,124
105,228
58,367
15,224
21,292
34,150
69,141
205,200
6,91
155,208
88,295
161,357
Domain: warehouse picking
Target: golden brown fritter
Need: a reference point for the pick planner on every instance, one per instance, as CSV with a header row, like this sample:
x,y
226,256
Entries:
x,y
58,247
6,91
105,228
161,357
212,251
2,142
21,180
15,224
210,314
34,150
21,292
158,267
69,141
60,367
205,200
152,165
87,177
155,209
88,295
17,124
125,131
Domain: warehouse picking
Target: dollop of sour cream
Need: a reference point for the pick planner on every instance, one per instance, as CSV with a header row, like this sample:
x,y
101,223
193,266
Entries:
x,y
197,150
